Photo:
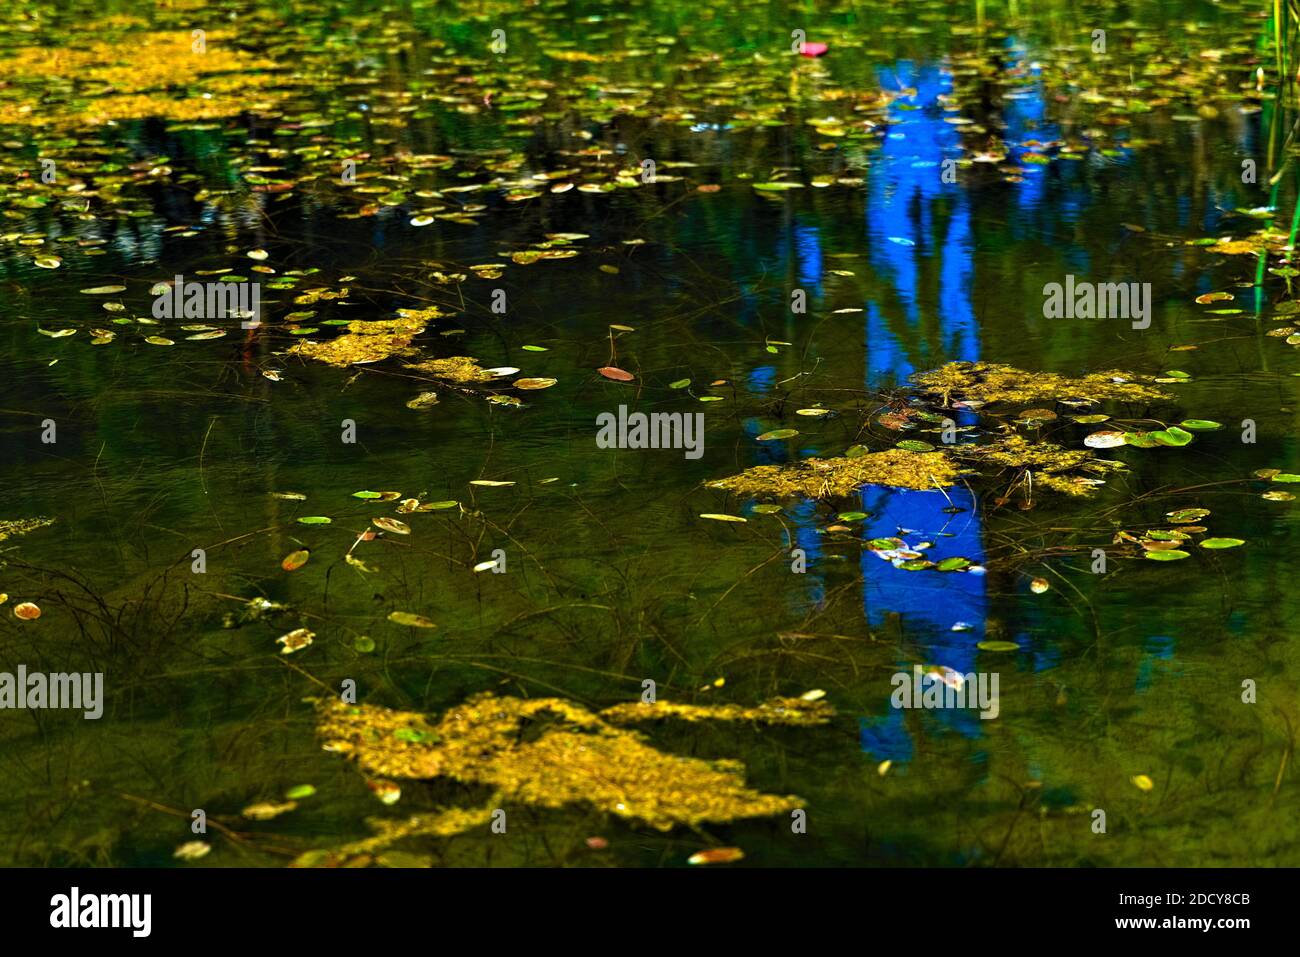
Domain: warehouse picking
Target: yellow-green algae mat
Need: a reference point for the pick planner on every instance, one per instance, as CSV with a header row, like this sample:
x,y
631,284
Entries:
x,y
973,385
583,757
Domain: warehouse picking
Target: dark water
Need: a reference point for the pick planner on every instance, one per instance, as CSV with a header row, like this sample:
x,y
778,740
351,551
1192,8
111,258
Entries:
x,y
612,578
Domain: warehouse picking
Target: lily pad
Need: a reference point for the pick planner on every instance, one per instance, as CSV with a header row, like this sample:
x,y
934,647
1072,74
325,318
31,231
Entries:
x,y
1222,542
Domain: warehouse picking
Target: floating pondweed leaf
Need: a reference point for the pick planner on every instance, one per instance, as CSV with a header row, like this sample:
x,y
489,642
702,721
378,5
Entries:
x,y
1166,554
366,493
997,646
438,506
1201,425
846,516
290,496
267,810
1105,440
1222,542
484,566
27,611
913,564
1172,436
502,371
612,372
421,220
490,483
1214,297
295,640
363,644
56,333
314,520
914,445
411,619
1157,545
530,348
1142,782
202,336
1278,496
1287,477
716,855
1036,415
776,434
391,525
719,517
679,384
534,384
192,850
1185,516
111,290
954,564
159,341
766,509
295,560
1039,585
812,413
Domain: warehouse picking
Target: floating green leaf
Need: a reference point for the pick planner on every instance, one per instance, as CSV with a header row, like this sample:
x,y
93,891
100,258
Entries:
x,y
1166,555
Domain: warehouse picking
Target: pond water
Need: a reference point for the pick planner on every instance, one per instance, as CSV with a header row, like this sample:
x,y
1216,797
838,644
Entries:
x,y
1120,687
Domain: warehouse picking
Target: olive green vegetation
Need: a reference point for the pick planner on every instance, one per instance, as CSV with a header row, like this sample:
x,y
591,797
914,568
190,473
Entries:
x,y
462,263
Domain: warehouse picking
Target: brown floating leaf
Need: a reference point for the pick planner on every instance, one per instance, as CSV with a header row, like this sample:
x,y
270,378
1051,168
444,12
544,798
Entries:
x,y
295,640
295,560
391,525
618,375
716,855
411,619
27,611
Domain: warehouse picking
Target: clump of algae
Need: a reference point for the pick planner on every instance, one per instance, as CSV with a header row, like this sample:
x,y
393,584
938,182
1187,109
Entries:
x,y
365,341
120,74
842,476
792,712
579,757
21,526
453,369
987,382
1050,465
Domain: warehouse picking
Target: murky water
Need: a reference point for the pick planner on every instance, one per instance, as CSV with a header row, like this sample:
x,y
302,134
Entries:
x,y
612,578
